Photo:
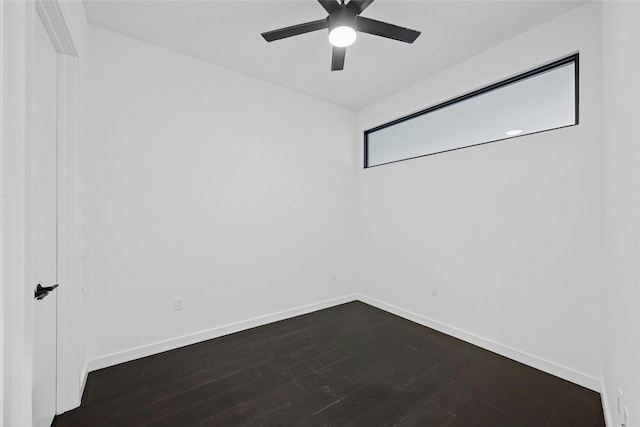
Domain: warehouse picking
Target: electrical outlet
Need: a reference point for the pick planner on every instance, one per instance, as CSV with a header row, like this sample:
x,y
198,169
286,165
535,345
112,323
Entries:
x,y
333,275
177,304
434,291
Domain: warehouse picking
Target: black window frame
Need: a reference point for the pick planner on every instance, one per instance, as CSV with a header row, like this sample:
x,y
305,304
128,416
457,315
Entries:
x,y
574,58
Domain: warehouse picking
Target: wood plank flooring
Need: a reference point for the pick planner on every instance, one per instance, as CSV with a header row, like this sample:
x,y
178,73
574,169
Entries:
x,y
349,365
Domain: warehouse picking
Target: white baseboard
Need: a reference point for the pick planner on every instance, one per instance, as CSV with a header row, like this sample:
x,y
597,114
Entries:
x,y
522,357
608,420
159,347
83,378
517,355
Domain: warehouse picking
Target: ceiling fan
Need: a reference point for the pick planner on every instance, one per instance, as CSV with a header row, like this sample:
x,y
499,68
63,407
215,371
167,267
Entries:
x,y
343,22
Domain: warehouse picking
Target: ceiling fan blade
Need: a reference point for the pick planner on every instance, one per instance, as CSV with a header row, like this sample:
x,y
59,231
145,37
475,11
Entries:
x,y
295,30
337,58
329,5
384,29
358,6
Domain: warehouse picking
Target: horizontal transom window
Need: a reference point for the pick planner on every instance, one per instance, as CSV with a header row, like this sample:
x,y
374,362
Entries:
x,y
539,100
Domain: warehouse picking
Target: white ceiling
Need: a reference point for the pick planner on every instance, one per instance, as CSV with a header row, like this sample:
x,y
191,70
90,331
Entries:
x,y
227,33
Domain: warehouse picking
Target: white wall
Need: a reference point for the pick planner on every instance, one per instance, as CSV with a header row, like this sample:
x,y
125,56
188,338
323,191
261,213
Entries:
x,y
232,193
510,232
621,102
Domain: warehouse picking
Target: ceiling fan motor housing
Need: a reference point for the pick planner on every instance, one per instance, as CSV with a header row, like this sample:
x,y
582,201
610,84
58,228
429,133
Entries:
x,y
342,17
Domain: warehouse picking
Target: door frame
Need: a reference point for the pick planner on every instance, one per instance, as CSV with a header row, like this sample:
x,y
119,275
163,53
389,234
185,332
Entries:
x,y
68,381
2,308
18,20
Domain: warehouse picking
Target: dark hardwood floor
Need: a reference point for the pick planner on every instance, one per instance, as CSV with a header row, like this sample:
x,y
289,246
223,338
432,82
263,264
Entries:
x,y
350,365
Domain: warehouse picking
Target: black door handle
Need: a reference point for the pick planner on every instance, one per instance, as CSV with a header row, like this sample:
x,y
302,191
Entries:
x,y
42,292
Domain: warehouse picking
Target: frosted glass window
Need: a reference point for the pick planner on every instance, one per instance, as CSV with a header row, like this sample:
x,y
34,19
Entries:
x,y
539,100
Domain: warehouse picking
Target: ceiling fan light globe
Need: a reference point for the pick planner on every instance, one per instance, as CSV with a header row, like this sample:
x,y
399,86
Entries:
x,y
342,36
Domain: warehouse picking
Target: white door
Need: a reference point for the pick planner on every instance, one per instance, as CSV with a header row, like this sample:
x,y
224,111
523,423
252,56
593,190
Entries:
x,y
43,220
